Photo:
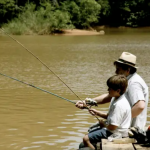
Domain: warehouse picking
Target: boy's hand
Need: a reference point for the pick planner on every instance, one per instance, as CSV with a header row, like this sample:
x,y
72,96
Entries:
x,y
102,123
93,111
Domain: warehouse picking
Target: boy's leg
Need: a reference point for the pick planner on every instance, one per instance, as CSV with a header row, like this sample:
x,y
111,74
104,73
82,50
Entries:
x,y
94,127
82,145
87,142
97,135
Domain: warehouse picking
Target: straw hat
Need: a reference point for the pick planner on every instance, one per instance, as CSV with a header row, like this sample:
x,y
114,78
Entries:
x,y
128,59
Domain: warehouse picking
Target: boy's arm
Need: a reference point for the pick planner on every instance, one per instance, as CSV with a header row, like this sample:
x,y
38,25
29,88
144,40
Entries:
x,y
109,127
102,122
98,113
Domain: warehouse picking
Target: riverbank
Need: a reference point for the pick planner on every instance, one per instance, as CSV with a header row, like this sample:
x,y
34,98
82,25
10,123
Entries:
x,y
98,30
69,32
82,32
102,30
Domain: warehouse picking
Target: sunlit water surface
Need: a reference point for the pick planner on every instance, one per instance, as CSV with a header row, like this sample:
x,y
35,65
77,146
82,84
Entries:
x,y
32,119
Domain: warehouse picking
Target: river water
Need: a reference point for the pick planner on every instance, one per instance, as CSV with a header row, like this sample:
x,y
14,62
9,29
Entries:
x,y
32,119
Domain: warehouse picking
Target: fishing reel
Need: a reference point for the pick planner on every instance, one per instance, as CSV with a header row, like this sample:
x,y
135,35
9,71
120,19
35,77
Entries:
x,y
90,102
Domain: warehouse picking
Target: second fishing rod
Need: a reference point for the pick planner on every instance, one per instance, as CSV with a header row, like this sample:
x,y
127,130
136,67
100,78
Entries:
x,y
46,67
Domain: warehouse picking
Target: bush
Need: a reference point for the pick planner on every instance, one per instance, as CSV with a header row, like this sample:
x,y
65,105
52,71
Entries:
x,y
82,12
43,21
7,10
89,12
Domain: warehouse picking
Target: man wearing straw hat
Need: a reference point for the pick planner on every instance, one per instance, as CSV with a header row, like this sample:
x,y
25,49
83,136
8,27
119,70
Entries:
x,y
137,91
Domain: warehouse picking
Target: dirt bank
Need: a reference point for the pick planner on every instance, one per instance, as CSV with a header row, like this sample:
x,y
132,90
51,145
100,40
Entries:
x,y
82,32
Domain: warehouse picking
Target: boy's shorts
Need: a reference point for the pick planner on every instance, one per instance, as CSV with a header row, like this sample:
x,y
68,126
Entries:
x,y
99,134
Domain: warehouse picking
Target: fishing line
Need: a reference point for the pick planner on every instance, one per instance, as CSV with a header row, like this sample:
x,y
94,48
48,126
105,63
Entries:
x,y
42,90
42,63
37,87
46,67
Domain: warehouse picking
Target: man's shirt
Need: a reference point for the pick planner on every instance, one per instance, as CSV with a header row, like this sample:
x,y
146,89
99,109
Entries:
x,y
137,90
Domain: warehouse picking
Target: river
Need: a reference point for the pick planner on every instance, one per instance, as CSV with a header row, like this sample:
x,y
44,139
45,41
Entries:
x,y
32,119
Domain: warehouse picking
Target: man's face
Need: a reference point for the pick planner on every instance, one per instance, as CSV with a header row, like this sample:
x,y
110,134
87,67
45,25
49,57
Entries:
x,y
119,70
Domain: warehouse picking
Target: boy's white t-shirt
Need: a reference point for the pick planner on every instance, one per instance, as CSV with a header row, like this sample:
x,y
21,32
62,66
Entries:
x,y
119,114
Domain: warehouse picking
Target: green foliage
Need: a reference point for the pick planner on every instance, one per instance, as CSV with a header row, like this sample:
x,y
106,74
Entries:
x,y
7,10
139,14
42,21
73,9
48,16
104,12
15,27
89,12
129,12
105,7
82,13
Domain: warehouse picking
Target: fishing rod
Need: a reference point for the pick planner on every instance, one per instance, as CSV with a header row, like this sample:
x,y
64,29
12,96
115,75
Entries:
x,y
36,87
46,67
42,90
42,63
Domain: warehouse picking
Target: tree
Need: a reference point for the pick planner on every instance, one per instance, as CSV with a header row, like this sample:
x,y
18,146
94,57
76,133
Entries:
x,y
83,13
8,10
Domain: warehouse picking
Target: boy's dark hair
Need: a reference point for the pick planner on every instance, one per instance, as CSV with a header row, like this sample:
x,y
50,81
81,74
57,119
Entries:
x,y
118,82
125,67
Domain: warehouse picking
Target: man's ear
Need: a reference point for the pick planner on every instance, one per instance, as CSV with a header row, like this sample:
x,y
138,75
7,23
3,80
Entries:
x,y
119,91
129,70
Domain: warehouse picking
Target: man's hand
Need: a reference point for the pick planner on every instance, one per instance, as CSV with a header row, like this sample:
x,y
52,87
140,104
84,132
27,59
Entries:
x,y
91,102
81,104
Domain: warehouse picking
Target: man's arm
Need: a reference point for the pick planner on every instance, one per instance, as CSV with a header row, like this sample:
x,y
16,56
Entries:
x,y
137,99
102,99
105,98
138,108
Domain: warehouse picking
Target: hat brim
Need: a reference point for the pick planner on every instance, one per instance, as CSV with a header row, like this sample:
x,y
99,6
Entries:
x,y
126,63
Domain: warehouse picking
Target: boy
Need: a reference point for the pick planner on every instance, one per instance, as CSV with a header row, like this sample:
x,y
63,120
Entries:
x,y
118,118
